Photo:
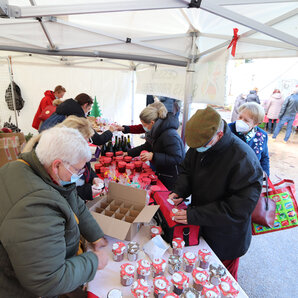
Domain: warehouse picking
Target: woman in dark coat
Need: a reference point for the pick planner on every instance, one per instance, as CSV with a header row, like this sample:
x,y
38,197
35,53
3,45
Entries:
x,y
80,107
163,143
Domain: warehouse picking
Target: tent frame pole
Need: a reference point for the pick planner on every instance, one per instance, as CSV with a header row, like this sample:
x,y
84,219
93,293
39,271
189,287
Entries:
x,y
12,89
188,94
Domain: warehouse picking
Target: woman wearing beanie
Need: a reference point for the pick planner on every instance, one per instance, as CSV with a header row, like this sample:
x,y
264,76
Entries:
x,y
273,108
163,143
246,128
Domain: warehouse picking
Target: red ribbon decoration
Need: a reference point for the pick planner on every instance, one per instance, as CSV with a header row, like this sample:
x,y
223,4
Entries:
x,y
234,42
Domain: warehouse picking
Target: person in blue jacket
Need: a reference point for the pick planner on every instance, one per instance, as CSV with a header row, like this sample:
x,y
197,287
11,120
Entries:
x,y
246,128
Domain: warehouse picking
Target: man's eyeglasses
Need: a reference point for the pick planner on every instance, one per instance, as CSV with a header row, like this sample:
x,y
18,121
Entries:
x,y
79,172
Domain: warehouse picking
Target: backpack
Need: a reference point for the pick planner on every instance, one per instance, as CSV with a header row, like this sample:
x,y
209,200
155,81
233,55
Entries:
x,y
18,97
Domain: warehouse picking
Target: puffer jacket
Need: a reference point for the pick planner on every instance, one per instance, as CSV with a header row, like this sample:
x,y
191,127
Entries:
x,y
225,183
47,100
273,106
167,147
40,227
289,107
253,97
240,100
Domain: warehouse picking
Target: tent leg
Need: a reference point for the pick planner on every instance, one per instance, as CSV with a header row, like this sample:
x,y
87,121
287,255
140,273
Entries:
x,y
133,77
12,89
188,94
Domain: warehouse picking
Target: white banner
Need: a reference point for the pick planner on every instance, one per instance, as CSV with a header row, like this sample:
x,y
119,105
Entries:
x,y
168,82
210,78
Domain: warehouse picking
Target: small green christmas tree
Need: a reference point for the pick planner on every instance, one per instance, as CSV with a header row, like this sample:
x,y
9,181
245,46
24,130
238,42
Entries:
x,y
95,111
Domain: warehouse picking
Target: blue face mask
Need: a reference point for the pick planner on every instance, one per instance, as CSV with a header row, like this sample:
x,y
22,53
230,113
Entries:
x,y
203,149
74,178
145,128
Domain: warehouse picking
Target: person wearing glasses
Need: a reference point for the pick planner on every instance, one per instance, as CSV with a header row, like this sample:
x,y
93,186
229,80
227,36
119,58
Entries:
x,y
88,185
42,218
80,107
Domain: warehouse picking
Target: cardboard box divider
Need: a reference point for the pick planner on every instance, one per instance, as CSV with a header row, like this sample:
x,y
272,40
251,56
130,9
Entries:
x,y
121,213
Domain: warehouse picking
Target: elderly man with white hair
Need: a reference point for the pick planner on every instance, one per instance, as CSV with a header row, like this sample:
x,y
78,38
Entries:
x,y
42,218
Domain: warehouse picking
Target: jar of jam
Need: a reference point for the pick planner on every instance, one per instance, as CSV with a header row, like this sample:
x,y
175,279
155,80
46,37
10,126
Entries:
x,y
190,293
170,295
118,250
204,258
127,274
153,179
115,293
228,288
180,282
103,170
121,167
138,166
119,153
200,277
127,158
129,168
210,290
117,159
178,246
109,154
146,182
158,267
161,286
155,231
107,161
217,271
97,167
140,288
133,249
174,264
189,261
143,269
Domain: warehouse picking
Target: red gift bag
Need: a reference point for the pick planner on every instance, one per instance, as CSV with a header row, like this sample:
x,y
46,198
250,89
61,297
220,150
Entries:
x,y
172,229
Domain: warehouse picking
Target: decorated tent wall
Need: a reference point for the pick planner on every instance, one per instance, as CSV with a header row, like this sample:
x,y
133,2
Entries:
x,y
112,89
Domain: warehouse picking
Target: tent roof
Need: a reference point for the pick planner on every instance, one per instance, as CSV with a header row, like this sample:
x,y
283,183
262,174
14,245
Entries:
x,y
147,31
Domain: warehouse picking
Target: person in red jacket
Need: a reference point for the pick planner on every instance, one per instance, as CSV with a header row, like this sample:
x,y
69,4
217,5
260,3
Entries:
x,y
48,99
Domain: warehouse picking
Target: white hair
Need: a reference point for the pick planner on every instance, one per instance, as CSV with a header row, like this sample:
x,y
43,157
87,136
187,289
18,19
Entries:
x,y
62,143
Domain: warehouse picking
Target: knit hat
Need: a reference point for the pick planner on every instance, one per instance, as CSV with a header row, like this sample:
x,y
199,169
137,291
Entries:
x,y
201,127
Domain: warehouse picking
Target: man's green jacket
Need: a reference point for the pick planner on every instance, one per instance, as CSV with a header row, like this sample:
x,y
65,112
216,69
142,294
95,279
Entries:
x,y
40,227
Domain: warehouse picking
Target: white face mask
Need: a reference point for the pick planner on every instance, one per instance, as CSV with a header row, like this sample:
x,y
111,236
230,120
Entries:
x,y
242,127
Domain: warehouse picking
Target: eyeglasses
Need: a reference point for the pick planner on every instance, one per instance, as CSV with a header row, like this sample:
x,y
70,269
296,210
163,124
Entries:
x,y
79,172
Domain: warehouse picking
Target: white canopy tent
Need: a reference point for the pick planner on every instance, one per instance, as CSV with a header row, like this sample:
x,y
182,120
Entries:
x,y
176,47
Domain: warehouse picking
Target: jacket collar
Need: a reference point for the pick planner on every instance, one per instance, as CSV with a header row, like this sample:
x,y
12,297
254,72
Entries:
x,y
34,163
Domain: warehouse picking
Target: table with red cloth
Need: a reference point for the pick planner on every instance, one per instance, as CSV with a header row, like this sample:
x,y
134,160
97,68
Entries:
x,y
109,278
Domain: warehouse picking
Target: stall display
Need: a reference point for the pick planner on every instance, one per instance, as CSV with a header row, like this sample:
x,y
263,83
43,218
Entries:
x,y
189,261
115,293
216,273
200,277
127,274
118,251
190,293
155,230
140,288
133,249
158,267
143,269
161,286
180,282
174,264
204,258
178,245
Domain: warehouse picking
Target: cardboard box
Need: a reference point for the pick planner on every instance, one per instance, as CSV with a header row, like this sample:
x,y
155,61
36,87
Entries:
x,y
121,213
10,146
